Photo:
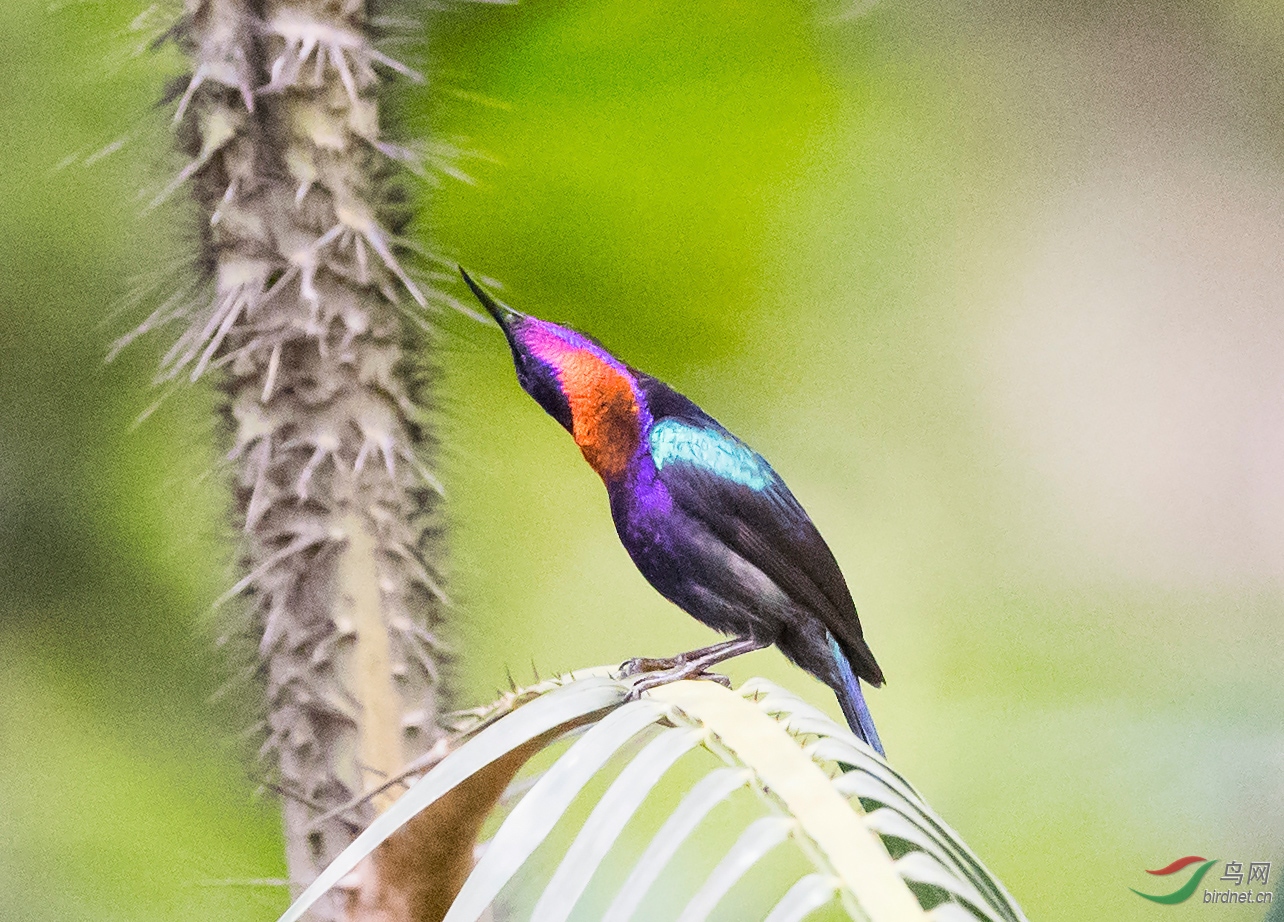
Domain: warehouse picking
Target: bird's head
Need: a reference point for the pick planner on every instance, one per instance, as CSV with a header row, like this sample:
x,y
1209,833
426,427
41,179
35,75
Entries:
x,y
591,393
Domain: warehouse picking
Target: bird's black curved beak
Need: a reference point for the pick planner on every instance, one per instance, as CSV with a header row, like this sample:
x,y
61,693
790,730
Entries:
x,y
503,314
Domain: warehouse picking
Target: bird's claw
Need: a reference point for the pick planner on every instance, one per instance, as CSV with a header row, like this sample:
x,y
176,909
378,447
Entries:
x,y
668,676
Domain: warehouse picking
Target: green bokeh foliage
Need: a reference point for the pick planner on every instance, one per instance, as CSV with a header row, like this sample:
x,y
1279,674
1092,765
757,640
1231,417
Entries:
x,y
816,227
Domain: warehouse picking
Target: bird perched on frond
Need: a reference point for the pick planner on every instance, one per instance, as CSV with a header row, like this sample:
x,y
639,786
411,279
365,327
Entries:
x,y
703,516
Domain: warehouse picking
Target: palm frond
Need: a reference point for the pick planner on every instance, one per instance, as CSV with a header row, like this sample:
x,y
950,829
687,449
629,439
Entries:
x,y
713,789
819,796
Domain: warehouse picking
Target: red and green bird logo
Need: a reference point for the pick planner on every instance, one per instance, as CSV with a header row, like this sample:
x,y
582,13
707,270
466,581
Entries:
x,y
1184,892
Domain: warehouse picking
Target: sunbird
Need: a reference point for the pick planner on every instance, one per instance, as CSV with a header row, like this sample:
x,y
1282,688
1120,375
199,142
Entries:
x,y
703,516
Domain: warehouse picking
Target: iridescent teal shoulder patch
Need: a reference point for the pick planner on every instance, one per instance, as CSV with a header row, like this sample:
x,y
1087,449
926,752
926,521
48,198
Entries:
x,y
672,440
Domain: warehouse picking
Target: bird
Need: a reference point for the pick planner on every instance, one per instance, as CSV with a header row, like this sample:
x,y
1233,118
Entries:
x,y
708,522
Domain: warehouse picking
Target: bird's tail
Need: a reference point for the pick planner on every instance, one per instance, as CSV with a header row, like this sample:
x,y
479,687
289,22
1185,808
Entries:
x,y
852,701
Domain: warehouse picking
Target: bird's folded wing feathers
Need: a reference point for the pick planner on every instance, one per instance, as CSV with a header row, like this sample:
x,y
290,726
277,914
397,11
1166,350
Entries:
x,y
716,478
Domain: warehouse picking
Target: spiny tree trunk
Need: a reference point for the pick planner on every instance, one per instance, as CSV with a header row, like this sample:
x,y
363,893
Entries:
x,y
306,331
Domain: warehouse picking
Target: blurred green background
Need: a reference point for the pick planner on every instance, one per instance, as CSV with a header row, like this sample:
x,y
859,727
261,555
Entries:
x,y
995,287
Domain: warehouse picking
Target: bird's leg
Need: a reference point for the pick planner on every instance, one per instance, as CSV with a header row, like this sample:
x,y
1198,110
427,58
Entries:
x,y
694,664
640,664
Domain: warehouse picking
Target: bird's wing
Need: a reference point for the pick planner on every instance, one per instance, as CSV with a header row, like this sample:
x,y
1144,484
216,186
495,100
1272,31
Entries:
x,y
717,479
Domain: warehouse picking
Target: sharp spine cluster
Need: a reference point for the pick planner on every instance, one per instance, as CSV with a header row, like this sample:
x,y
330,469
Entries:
x,y
287,162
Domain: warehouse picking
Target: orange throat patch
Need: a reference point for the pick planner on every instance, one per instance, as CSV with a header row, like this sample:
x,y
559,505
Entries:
x,y
604,413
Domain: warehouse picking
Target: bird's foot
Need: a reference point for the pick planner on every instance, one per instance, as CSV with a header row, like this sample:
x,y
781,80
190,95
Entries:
x,y
676,674
695,661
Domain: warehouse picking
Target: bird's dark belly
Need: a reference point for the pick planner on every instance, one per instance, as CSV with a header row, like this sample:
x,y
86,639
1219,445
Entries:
x,y
692,568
